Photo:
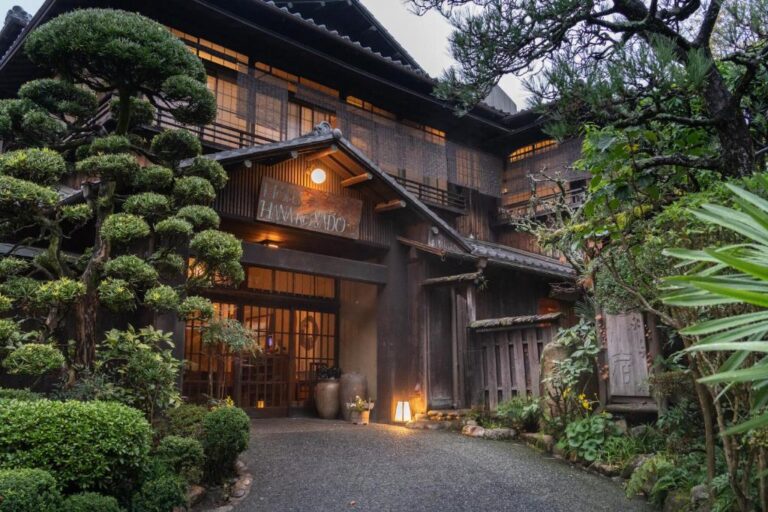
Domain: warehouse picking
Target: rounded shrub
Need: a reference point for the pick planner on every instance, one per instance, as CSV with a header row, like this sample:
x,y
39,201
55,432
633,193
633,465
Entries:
x,y
161,492
225,436
21,196
12,266
34,359
153,177
196,308
117,295
201,217
174,227
186,420
19,394
59,291
216,247
191,101
147,204
90,502
209,169
183,456
28,490
86,446
118,167
110,145
130,268
60,97
162,298
193,190
124,228
41,166
174,145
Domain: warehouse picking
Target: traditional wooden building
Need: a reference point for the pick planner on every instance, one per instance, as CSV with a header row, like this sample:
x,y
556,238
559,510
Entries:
x,y
378,227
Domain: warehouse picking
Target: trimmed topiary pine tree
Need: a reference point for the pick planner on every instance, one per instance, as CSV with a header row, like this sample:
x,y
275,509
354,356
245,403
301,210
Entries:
x,y
129,240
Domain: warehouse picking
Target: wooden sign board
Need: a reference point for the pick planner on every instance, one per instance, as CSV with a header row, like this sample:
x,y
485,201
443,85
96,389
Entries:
x,y
627,355
300,207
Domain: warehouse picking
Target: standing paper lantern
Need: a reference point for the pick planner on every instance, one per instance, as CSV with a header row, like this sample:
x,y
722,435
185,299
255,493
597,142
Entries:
x,y
403,412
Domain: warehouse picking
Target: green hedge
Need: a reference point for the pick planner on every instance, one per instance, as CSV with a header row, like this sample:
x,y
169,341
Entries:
x,y
90,502
100,446
182,455
28,490
186,420
19,394
161,492
225,436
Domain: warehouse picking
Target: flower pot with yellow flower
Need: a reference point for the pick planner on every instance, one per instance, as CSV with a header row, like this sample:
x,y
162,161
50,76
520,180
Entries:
x,y
360,411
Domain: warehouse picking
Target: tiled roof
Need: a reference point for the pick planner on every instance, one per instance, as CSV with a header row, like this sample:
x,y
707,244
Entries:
x,y
517,258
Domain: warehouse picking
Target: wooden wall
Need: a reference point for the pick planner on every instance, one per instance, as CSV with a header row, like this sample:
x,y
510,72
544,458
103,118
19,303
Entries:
x,y
239,198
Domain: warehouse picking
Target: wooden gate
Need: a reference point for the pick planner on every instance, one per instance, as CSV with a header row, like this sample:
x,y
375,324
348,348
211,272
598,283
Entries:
x,y
509,362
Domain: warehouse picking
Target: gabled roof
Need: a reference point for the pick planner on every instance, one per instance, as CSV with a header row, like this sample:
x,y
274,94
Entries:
x,y
322,136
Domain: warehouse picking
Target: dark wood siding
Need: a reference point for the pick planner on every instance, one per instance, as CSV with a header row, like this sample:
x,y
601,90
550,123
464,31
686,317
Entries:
x,y
239,199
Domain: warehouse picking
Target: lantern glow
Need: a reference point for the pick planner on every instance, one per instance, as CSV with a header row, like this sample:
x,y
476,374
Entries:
x,y
403,412
318,176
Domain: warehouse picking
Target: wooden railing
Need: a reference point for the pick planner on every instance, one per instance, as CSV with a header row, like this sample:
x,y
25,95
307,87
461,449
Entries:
x,y
217,134
540,206
433,195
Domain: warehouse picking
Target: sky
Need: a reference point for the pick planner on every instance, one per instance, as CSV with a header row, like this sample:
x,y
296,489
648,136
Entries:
x,y
424,37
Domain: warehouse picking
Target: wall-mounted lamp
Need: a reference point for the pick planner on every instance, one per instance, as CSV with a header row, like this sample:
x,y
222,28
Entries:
x,y
403,412
260,404
318,176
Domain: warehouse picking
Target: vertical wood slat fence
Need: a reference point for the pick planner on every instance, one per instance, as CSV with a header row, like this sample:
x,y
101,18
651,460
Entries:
x,y
508,362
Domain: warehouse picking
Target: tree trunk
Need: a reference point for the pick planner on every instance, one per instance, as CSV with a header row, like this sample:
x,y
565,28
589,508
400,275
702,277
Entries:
x,y
86,321
730,126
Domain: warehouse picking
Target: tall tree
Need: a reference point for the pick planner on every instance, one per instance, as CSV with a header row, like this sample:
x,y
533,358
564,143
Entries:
x,y
626,63
141,212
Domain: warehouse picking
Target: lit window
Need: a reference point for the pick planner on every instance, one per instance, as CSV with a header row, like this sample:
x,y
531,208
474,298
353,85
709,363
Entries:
x,y
532,149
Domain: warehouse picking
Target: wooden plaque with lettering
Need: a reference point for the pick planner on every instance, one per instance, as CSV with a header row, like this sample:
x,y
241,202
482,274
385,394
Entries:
x,y
300,207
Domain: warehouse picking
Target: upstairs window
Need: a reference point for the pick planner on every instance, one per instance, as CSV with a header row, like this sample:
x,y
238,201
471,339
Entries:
x,y
302,118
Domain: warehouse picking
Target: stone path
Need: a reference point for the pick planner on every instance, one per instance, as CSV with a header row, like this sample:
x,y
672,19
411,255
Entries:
x,y
313,465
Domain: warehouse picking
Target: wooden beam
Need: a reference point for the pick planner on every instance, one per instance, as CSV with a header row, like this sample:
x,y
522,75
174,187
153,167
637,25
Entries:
x,y
323,152
395,204
356,180
311,263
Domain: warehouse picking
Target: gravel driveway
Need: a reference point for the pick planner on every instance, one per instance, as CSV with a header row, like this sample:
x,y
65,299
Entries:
x,y
313,465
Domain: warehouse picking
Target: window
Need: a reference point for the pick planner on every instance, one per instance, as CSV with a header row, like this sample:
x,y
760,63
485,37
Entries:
x,y
532,149
268,115
467,168
290,283
213,52
302,118
228,97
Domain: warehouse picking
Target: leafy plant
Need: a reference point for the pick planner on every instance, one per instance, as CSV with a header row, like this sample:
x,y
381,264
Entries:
x,y
141,364
28,490
521,413
34,359
160,492
186,420
183,456
99,446
586,437
225,436
620,450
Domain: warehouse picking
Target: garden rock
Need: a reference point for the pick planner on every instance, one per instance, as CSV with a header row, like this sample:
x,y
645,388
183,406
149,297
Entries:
x,y
639,430
676,501
195,494
633,465
608,470
700,497
473,431
497,434
621,425
543,442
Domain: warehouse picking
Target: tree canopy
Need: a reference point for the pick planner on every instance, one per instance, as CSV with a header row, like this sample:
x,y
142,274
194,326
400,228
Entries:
x,y
122,244
653,64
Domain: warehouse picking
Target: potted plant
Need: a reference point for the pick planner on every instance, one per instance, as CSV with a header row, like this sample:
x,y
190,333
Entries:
x,y
327,392
360,411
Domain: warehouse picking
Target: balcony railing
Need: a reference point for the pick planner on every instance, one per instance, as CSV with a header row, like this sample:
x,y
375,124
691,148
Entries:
x,y
433,195
540,206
